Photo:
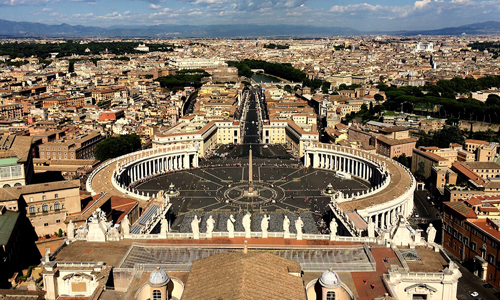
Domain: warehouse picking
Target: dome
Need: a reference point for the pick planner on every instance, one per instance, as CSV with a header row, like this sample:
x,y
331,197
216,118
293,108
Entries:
x,y
158,277
330,279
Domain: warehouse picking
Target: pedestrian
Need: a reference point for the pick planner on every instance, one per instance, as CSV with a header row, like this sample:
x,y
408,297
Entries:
x,y
373,286
364,281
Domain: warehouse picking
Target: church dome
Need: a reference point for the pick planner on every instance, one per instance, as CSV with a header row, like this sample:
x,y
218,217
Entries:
x,y
330,279
158,277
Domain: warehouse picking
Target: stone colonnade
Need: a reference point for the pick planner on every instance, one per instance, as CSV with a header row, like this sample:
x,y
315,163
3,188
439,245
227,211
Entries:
x,y
369,167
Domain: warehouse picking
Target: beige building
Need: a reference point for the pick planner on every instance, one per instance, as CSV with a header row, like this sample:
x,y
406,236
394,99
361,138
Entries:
x,y
16,160
81,147
47,204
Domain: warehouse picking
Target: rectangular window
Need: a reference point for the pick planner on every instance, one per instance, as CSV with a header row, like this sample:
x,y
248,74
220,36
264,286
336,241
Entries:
x,y
473,246
56,196
466,241
44,197
46,224
460,237
491,259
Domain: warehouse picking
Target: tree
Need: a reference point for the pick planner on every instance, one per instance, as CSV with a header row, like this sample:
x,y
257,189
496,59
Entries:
x,y
402,159
60,233
444,137
113,147
420,173
378,97
493,100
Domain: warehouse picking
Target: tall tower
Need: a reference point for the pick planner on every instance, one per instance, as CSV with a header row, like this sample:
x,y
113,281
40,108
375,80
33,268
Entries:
x,y
250,183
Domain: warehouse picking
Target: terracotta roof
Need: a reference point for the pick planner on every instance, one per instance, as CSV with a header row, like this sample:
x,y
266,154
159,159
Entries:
x,y
470,141
235,275
482,165
393,142
468,173
462,208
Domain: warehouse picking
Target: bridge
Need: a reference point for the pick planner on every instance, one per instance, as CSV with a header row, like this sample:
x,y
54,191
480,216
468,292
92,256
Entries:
x,y
258,71
283,84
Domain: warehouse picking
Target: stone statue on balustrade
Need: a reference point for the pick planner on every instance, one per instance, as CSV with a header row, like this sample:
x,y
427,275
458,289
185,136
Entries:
x,y
113,234
163,225
333,229
210,226
431,234
264,225
230,226
161,195
286,227
98,227
195,227
371,228
81,233
299,224
125,223
247,220
71,230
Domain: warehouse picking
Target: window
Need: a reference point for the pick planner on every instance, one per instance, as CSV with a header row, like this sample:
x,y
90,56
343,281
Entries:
x,y
491,259
330,295
57,206
58,221
460,237
44,197
31,199
156,295
45,208
473,246
56,196
46,224
32,209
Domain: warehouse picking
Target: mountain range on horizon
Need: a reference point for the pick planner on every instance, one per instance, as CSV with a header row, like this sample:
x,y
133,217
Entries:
x,y
11,29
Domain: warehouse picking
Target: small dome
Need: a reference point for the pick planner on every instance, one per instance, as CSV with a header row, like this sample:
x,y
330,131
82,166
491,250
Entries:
x,y
159,277
330,279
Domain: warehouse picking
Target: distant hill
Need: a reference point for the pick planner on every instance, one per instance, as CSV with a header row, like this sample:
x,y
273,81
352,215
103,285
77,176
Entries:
x,y
484,28
28,29
10,29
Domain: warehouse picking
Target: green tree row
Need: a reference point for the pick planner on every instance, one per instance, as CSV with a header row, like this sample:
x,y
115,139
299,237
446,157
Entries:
x,y
25,49
285,71
185,78
113,147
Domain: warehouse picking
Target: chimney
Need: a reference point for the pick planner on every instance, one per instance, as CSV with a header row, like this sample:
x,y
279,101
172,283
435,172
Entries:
x,y
245,247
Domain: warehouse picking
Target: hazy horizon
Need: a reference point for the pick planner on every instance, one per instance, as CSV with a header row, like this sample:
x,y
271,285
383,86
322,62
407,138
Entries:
x,y
365,15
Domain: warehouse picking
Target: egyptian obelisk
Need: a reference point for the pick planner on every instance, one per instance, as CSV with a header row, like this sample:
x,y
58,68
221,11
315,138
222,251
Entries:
x,y
250,183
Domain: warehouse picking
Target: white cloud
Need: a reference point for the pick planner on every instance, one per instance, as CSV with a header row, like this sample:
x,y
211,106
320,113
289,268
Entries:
x,y
154,6
421,4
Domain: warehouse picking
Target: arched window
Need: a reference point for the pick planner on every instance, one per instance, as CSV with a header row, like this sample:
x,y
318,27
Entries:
x,y
32,209
57,206
6,185
156,295
45,208
330,295
17,184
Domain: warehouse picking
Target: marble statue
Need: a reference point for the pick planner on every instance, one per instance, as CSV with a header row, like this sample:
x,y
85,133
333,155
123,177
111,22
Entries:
x,y
195,227
210,226
71,230
371,228
125,225
230,226
81,233
333,229
247,224
286,227
264,225
431,233
298,226
164,225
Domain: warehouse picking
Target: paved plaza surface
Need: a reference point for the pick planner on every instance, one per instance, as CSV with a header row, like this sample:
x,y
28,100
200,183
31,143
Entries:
x,y
283,186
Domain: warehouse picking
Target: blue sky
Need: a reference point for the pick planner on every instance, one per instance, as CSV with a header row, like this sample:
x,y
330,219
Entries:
x,y
361,15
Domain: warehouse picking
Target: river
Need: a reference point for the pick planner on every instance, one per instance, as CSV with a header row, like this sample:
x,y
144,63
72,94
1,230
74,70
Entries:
x,y
264,78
